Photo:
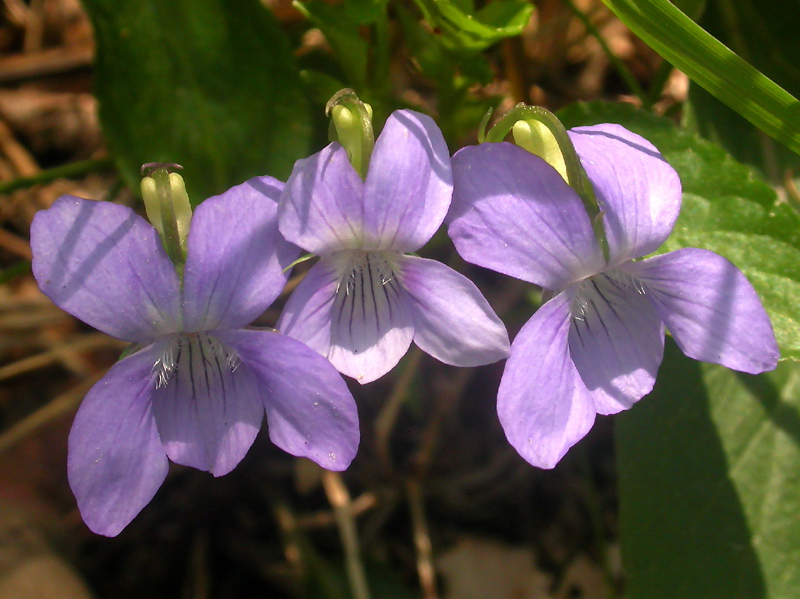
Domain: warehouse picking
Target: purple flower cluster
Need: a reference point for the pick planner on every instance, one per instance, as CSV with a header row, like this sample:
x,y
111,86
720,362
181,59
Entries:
x,y
198,382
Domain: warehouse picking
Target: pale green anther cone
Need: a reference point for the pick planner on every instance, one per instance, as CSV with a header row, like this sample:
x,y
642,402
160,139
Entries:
x,y
352,136
537,138
168,210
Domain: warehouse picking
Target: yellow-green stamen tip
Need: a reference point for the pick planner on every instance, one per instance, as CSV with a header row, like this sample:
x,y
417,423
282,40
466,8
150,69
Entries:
x,y
168,208
537,138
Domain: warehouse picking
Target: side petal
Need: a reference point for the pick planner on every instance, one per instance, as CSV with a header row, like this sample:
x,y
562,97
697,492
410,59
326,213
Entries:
x,y
710,308
310,411
208,408
513,213
322,205
116,461
409,184
542,403
453,322
638,191
105,265
616,341
307,314
236,257
371,328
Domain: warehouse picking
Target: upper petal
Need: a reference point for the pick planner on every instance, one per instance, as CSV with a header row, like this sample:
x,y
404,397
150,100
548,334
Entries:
x,y
638,191
409,184
236,257
453,322
710,308
513,213
208,408
542,403
616,341
116,461
310,411
105,265
371,328
322,206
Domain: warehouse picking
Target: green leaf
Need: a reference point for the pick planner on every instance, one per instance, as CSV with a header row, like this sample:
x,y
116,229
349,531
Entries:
x,y
672,34
476,31
709,467
727,208
209,84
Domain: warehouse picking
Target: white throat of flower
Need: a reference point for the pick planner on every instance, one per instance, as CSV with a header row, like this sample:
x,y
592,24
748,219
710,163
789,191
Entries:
x,y
365,269
196,356
609,288
367,296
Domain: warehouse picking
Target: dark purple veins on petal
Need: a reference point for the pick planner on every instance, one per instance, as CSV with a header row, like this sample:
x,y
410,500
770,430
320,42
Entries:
x,y
364,303
196,359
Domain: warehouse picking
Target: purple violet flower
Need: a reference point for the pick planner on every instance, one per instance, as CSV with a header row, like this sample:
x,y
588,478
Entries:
x,y
365,300
596,345
197,389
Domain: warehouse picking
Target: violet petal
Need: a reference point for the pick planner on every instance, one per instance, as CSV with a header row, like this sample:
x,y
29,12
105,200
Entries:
x,y
321,208
513,213
236,257
542,403
106,266
209,411
638,191
116,461
616,341
307,314
409,184
310,411
371,328
710,308
453,322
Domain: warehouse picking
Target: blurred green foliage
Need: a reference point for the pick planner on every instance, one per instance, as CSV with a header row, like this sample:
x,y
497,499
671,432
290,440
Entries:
x,y
208,84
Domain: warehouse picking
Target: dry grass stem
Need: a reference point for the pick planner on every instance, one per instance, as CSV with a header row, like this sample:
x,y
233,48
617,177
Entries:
x,y
58,407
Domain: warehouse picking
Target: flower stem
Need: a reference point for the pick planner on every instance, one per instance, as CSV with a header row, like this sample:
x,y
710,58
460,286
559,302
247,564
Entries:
x,y
422,541
339,498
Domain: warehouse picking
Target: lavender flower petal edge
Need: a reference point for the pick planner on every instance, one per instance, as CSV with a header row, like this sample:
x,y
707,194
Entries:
x,y
710,308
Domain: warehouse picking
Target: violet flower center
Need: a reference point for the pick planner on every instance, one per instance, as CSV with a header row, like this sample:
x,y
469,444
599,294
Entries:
x,y
608,288
365,272
368,292
195,358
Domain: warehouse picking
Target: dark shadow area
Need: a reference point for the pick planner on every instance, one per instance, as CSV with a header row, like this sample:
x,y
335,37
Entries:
x,y
783,415
683,526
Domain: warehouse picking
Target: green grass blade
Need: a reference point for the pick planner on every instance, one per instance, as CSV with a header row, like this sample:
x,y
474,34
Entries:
x,y
713,66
